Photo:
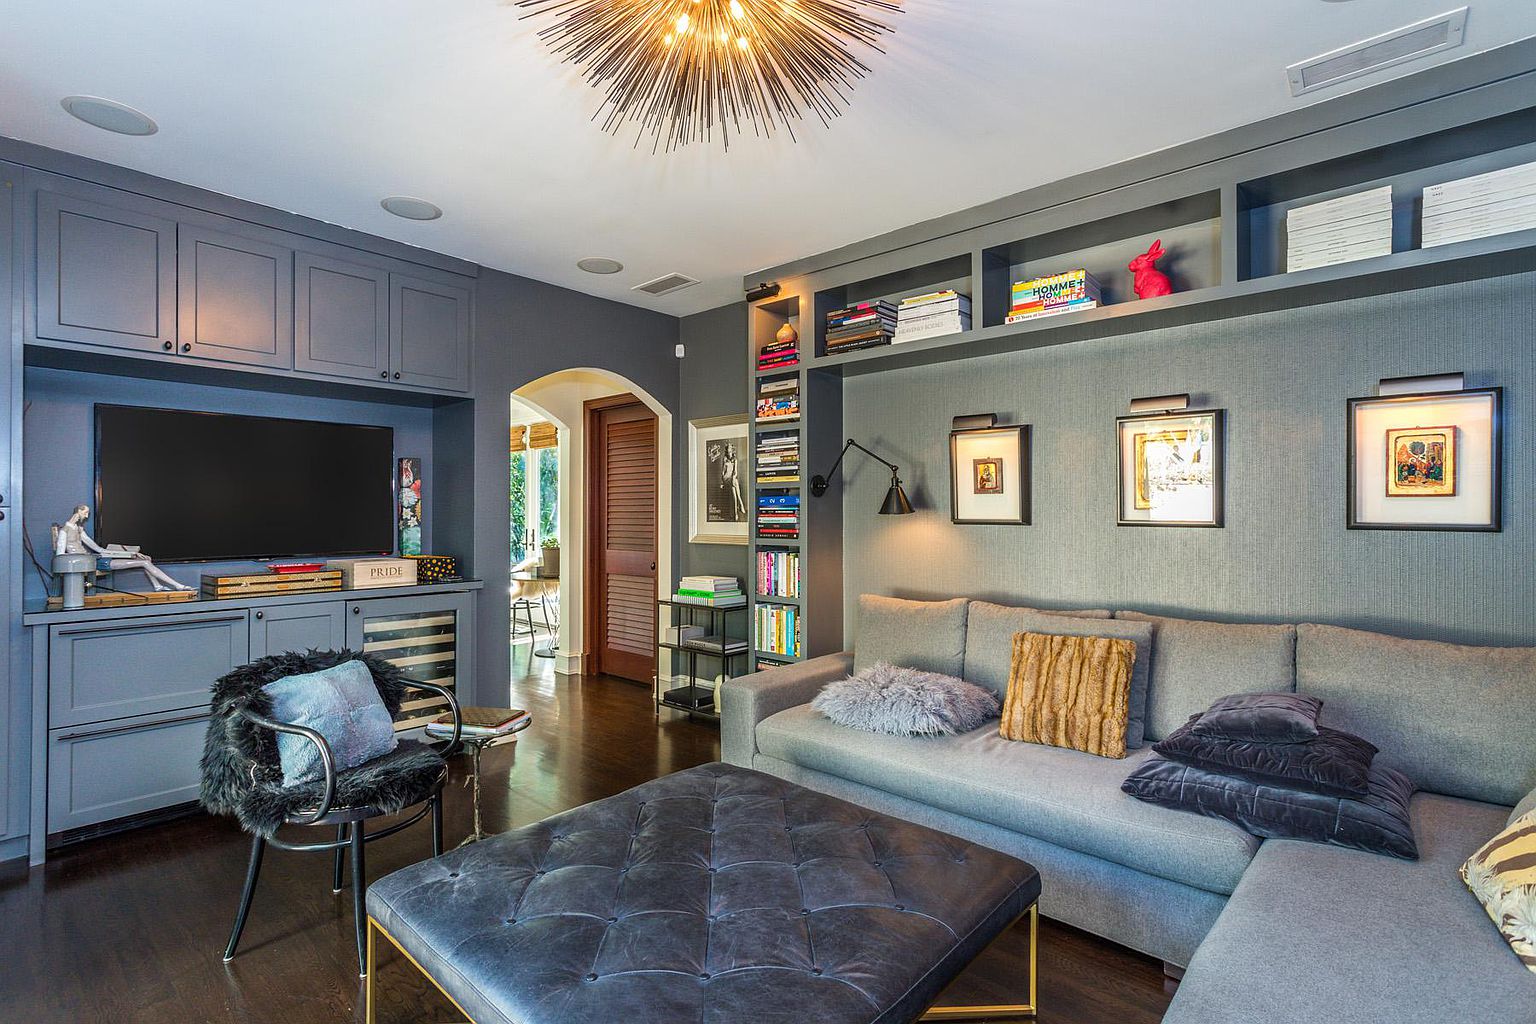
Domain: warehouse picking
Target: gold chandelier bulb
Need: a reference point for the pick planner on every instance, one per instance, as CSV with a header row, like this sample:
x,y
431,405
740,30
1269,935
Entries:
x,y
736,9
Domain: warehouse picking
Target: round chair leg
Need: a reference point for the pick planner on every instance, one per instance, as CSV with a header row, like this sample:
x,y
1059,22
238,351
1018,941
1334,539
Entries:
x,y
359,889
437,825
258,847
337,858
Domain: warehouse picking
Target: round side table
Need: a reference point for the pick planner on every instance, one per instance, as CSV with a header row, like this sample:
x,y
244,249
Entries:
x,y
477,745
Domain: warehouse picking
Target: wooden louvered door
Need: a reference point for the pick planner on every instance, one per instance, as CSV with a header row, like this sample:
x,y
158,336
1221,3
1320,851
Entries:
x,y
621,529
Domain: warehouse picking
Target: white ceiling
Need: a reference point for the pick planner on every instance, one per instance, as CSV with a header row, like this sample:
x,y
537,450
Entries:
x,y
324,108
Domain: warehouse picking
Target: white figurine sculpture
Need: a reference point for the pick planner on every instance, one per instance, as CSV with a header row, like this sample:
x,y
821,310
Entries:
x,y
71,539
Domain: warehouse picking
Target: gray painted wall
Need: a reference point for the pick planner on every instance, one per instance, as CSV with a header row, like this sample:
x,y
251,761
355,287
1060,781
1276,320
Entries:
x,y
712,381
1284,554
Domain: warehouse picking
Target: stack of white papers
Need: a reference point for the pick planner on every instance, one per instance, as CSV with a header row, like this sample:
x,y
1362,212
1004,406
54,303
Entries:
x,y
1486,204
1354,227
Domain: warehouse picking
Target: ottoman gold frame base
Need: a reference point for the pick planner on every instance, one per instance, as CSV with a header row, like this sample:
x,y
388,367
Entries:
x,y
1011,1011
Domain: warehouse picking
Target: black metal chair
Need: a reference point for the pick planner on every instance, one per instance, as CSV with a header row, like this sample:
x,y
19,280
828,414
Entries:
x,y
243,776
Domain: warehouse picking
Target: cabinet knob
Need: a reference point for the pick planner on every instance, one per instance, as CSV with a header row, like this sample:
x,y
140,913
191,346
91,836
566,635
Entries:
x,y
186,346
384,375
167,345
2,515
261,615
356,610
397,375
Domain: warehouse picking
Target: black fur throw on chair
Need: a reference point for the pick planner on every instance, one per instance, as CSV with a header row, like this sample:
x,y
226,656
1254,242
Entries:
x,y
241,771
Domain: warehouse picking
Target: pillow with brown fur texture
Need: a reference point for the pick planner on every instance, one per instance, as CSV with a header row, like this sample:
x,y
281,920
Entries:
x,y
1069,691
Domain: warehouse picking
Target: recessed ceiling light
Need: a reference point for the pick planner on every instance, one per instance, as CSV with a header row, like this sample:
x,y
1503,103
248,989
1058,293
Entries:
x,y
110,115
600,265
411,208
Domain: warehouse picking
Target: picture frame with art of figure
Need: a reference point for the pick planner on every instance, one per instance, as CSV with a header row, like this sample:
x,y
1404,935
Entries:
x,y
719,471
989,476
1171,470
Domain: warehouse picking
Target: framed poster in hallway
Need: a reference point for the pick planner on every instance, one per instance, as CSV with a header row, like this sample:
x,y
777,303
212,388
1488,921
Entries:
x,y
718,462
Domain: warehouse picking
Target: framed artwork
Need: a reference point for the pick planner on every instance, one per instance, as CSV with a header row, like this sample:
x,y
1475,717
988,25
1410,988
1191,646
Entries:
x,y
409,496
1426,461
1170,471
719,465
989,476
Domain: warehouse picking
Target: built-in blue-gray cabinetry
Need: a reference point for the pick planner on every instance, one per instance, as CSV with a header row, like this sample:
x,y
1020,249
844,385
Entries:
x,y
341,317
12,674
429,332
234,298
321,626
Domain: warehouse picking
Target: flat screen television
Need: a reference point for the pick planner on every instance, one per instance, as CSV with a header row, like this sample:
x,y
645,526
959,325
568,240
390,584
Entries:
x,y
205,487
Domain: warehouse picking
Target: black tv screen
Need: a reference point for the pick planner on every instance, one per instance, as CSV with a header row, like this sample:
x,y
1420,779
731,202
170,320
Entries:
x,y
203,487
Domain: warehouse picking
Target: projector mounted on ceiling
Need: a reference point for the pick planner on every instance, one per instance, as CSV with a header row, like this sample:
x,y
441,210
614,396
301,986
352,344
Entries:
x,y
1442,32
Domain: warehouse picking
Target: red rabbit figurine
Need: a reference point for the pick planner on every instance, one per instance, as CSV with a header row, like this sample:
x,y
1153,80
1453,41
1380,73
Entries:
x,y
1150,282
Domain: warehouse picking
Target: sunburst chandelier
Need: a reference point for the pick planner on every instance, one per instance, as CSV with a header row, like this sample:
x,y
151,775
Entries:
x,y
682,70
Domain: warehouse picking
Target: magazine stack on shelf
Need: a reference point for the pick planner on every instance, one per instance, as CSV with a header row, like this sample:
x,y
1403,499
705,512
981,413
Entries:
x,y
778,458
932,315
778,400
778,514
778,573
710,591
778,629
779,355
1056,293
862,325
1487,204
1354,227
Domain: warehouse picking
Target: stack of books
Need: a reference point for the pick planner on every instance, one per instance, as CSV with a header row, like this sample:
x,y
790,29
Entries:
x,y
1053,294
932,315
779,354
710,591
778,400
778,458
778,573
1354,227
778,629
863,325
778,514
480,723
1488,204
716,643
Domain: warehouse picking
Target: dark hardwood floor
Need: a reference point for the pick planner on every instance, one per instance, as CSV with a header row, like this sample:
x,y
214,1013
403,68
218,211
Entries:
x,y
130,928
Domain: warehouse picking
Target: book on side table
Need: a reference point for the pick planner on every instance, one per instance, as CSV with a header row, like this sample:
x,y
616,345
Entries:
x,y
481,723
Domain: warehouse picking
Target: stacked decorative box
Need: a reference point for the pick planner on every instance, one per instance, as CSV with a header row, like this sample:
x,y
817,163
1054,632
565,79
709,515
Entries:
x,y
1486,204
1353,227
1056,293
932,315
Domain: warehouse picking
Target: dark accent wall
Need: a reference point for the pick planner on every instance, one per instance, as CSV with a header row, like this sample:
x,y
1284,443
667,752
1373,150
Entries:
x,y
1284,555
712,381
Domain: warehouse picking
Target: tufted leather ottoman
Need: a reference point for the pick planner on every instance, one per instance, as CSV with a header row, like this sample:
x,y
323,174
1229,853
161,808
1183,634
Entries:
x,y
716,895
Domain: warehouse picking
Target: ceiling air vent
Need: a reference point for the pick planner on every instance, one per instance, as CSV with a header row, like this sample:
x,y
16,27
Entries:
x,y
1442,32
666,284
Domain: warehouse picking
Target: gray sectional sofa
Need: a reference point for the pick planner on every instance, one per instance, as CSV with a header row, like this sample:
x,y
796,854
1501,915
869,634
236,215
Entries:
x,y
1276,929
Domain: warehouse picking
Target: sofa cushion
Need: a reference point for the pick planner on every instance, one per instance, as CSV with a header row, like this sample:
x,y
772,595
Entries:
x,y
1261,718
1061,796
343,705
1196,663
1457,720
906,702
989,650
1334,762
1069,691
1318,933
929,635
1501,876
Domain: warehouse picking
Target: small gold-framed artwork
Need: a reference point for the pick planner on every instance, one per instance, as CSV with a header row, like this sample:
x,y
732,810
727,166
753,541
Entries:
x,y
989,476
1171,468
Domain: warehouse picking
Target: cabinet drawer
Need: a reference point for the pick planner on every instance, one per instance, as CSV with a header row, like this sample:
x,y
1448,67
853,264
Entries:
x,y
99,773
102,672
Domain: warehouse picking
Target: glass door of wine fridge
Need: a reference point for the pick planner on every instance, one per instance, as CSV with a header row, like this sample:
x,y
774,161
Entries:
x,y
427,637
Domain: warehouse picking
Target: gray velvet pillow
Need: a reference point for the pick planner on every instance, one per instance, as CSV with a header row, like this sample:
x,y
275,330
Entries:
x,y
1261,718
906,702
929,635
342,704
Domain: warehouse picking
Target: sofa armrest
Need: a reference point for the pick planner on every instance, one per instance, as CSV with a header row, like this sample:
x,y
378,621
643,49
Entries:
x,y
747,700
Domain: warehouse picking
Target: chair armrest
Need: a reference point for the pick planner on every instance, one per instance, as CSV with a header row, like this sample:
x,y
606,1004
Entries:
x,y
452,746
747,700
327,761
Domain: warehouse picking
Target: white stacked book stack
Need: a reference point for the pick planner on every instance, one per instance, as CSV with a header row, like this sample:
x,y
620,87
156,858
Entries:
x,y
1354,227
1487,204
931,315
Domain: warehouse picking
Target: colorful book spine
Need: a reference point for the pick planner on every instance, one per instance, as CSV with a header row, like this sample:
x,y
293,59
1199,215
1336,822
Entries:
x,y
1045,292
777,629
778,574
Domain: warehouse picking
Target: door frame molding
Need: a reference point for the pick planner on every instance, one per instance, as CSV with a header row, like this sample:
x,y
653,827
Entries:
x,y
592,557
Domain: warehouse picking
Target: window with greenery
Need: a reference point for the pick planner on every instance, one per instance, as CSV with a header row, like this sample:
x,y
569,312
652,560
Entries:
x,y
549,494
518,494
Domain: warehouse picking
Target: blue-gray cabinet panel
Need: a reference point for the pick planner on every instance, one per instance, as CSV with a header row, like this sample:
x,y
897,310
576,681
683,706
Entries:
x,y
235,298
106,271
111,771
299,627
429,333
141,666
341,318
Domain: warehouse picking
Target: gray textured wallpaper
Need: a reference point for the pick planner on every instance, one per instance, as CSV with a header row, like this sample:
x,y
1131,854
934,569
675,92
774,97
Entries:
x,y
1284,553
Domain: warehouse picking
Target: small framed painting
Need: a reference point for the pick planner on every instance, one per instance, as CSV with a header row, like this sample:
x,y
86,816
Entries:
x,y
1427,461
719,463
989,476
1171,468
409,493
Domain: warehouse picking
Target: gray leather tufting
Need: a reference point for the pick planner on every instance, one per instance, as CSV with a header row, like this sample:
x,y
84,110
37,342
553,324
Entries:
x,y
714,895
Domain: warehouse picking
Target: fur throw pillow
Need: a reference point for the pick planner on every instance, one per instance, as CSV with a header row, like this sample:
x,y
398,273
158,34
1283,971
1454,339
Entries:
x,y
906,702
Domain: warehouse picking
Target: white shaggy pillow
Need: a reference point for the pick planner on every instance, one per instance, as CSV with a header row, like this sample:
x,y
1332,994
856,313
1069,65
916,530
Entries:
x,y
906,702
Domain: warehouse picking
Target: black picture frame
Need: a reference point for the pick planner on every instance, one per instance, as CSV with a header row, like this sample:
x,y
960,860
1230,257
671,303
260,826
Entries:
x,y
1025,502
1494,523
1218,475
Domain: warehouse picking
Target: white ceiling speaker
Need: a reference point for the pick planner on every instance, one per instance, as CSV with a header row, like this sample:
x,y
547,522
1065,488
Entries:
x,y
1422,38
109,115
411,208
599,265
666,284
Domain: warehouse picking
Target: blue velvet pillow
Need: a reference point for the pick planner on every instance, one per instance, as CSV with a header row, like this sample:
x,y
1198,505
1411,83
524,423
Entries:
x,y
1377,822
342,704
1332,762
1262,718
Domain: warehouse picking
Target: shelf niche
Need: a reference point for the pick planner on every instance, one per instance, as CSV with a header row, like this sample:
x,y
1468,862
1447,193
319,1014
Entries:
x,y
767,318
951,272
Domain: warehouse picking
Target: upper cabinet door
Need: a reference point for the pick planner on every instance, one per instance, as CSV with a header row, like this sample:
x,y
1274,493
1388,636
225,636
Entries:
x,y
429,333
340,318
236,298
106,275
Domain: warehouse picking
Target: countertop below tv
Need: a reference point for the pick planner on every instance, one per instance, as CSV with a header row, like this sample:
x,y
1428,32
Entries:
x,y
36,613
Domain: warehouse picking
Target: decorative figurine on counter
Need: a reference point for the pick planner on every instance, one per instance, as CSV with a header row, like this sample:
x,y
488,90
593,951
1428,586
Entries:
x,y
70,539
787,335
1150,282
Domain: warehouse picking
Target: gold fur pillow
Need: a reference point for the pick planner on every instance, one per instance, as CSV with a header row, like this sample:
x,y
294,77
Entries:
x,y
1069,691
1502,875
